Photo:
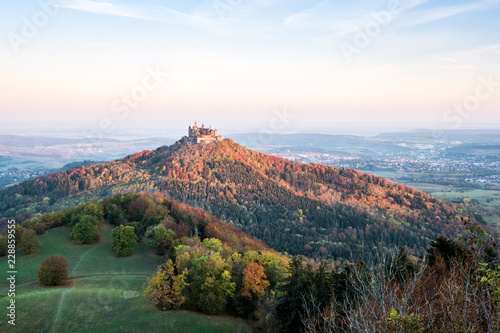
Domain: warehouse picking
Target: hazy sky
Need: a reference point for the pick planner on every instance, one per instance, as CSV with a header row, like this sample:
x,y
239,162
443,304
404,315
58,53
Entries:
x,y
281,63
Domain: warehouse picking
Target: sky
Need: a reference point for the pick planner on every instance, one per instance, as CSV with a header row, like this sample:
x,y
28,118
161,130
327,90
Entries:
x,y
276,65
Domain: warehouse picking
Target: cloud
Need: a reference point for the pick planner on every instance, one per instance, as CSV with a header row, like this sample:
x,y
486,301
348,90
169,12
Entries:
x,y
150,13
445,12
450,59
303,17
204,18
103,8
471,56
481,49
475,51
319,16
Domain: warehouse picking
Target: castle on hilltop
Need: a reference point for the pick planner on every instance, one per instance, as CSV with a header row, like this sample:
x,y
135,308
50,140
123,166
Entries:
x,y
201,134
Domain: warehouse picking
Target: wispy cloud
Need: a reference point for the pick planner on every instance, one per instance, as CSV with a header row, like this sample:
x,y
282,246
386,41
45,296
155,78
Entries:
x,y
483,49
450,59
104,8
151,13
304,16
204,19
471,56
445,12
326,19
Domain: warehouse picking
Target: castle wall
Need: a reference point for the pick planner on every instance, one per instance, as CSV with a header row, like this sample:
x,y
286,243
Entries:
x,y
202,135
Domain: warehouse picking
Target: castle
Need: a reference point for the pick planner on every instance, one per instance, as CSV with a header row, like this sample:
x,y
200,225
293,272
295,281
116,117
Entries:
x,y
201,134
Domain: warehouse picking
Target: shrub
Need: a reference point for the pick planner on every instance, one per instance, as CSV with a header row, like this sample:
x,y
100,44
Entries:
x,y
123,240
54,271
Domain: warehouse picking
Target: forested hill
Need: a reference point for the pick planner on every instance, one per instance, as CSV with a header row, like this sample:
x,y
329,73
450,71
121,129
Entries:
x,y
309,209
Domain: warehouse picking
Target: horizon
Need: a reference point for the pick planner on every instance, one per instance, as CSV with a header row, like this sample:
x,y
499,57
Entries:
x,y
144,129
175,129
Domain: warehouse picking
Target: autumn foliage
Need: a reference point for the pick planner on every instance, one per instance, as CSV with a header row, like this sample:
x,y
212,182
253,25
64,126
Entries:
x,y
54,271
254,281
289,205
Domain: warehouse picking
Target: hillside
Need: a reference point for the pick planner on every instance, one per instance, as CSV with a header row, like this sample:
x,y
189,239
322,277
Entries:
x,y
309,209
105,293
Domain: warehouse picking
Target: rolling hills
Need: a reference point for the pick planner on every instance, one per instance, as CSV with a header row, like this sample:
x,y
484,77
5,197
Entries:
x,y
309,209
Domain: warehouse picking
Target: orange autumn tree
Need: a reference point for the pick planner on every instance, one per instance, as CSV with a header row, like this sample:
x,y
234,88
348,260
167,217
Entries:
x,y
254,281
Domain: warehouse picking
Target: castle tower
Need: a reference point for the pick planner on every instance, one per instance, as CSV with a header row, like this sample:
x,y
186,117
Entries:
x,y
202,134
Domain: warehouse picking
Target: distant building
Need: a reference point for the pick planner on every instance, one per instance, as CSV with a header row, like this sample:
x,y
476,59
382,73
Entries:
x,y
201,134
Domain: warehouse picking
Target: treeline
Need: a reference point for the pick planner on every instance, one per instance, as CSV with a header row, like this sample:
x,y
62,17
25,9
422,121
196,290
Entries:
x,y
149,216
308,209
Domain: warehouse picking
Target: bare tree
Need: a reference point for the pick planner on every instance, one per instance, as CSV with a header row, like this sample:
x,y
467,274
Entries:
x,y
390,292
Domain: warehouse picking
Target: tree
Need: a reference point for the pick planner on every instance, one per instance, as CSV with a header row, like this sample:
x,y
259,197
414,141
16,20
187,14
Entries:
x,y
253,288
215,292
54,271
212,244
290,309
28,242
86,231
446,247
211,286
18,231
165,289
400,265
161,238
123,240
87,209
254,281
3,245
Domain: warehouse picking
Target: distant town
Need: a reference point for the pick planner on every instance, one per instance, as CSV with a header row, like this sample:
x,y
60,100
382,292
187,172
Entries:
x,y
474,169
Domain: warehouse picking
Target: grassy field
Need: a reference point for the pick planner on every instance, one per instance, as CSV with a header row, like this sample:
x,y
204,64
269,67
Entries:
x,y
489,200
103,295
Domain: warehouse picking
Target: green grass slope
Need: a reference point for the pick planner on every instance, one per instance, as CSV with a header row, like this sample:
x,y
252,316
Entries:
x,y
103,295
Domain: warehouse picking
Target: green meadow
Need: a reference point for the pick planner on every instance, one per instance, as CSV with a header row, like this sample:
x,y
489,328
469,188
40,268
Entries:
x,y
104,293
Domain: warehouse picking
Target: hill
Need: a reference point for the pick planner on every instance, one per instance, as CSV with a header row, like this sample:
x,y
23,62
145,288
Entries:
x,y
299,208
105,293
